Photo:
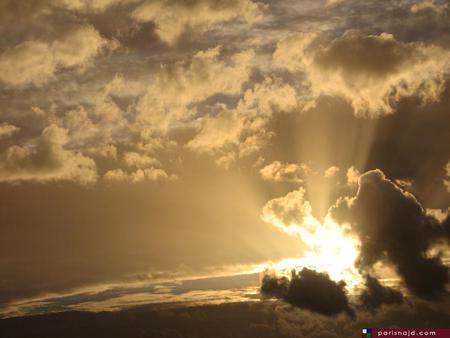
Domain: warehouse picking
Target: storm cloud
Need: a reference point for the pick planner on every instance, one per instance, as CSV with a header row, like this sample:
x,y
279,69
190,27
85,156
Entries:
x,y
393,227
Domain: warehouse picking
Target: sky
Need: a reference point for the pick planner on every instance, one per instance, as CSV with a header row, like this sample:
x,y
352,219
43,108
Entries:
x,y
148,144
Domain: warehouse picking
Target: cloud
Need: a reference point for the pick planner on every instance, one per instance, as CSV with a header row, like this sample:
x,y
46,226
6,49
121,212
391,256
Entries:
x,y
447,176
47,159
371,71
287,212
331,3
138,168
99,121
176,89
243,319
243,131
36,62
394,228
217,132
331,172
310,290
415,313
274,286
315,291
135,160
107,151
90,5
438,214
279,172
140,175
353,176
428,5
405,183
267,97
81,127
6,130
375,294
291,51
172,18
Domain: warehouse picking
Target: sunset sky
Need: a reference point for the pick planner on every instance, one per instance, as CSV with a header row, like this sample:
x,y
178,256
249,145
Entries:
x,y
156,151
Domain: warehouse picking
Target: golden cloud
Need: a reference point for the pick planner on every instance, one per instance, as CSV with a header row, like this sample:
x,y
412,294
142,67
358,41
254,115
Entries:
x,y
139,175
244,130
428,5
288,212
373,72
90,5
173,18
447,178
47,160
7,129
36,62
177,87
290,172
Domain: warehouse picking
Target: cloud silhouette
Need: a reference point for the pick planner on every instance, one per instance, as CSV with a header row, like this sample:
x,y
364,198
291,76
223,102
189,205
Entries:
x,y
393,227
311,290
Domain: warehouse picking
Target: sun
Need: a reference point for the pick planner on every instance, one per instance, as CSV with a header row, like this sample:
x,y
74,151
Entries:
x,y
331,248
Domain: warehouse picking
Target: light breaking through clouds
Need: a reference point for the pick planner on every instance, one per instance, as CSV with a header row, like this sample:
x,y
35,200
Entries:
x,y
160,142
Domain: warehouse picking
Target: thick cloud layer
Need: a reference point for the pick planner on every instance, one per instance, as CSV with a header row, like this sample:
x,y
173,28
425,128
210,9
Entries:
x,y
393,227
373,72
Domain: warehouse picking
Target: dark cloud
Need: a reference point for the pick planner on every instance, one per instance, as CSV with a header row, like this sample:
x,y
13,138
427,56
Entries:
x,y
401,153
317,292
274,286
376,294
397,17
310,290
393,227
239,320
358,54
